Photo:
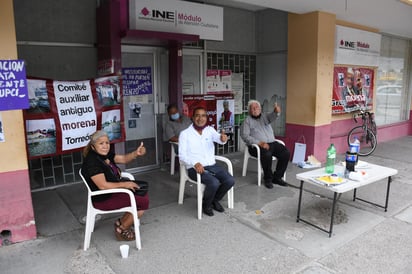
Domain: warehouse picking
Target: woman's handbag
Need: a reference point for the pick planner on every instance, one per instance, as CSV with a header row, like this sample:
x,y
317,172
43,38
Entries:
x,y
143,186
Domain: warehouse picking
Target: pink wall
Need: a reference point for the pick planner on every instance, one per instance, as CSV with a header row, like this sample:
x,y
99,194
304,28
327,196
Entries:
x,y
319,138
16,208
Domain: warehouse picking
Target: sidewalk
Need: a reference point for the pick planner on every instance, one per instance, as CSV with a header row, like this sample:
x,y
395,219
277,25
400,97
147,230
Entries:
x,y
260,235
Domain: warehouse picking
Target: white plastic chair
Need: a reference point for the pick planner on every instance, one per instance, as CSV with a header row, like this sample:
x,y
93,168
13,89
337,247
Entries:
x,y
173,156
259,165
200,187
92,211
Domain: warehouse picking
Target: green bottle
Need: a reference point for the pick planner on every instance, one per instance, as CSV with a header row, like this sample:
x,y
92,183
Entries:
x,y
330,159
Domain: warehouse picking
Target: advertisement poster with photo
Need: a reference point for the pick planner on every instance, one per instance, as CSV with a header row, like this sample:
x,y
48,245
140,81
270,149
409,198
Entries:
x,y
352,89
63,114
225,112
218,81
219,108
190,102
13,85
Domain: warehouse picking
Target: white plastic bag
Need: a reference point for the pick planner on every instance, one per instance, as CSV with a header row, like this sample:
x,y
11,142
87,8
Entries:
x,y
300,150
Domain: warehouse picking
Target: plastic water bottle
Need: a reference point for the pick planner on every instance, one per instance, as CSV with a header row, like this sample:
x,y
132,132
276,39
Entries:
x,y
355,146
330,159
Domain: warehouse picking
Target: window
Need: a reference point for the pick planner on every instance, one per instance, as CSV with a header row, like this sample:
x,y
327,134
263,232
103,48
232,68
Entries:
x,y
392,92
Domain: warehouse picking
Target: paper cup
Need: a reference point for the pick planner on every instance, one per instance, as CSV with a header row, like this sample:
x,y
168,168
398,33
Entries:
x,y
124,250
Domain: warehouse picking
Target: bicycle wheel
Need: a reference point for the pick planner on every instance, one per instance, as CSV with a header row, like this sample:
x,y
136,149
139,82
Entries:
x,y
367,140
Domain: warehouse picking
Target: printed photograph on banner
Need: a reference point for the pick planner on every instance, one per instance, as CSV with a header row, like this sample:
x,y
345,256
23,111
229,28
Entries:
x,y
38,98
352,89
225,111
2,138
111,124
41,137
108,91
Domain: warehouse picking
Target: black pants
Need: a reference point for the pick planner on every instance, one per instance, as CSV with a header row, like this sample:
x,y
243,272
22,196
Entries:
x,y
217,181
280,152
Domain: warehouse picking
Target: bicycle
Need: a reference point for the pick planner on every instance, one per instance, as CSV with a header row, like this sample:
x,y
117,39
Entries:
x,y
366,133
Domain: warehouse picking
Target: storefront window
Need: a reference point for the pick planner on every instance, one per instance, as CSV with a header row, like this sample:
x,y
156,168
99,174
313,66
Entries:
x,y
392,92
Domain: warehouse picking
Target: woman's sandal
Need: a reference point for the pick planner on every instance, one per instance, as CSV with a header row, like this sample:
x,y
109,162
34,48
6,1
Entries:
x,y
117,223
124,234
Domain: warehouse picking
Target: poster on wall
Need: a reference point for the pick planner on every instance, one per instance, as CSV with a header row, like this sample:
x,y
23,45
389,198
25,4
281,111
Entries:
x,y
352,89
190,102
218,81
237,89
225,113
63,114
137,81
219,109
13,85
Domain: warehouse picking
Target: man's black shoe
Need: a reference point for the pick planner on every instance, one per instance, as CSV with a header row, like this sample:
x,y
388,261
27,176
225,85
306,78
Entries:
x,y
208,211
279,181
268,184
217,206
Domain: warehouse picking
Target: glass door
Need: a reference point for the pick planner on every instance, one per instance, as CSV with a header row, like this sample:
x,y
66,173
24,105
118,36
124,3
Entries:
x,y
139,109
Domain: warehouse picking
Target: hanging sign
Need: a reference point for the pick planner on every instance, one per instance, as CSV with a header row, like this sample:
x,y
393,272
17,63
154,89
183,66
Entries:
x,y
13,85
177,17
357,47
137,81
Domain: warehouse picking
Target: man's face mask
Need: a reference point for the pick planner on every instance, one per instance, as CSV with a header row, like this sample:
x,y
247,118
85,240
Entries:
x,y
175,116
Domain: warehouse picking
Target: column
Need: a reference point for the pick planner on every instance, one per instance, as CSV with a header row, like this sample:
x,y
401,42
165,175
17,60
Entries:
x,y
16,207
311,39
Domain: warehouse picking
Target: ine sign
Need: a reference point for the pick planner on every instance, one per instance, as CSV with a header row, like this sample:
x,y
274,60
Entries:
x,y
177,17
357,47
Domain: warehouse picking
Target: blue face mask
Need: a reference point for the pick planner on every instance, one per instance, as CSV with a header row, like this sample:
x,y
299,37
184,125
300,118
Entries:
x,y
175,116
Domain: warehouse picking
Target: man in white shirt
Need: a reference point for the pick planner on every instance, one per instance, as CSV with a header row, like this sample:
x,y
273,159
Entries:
x,y
197,152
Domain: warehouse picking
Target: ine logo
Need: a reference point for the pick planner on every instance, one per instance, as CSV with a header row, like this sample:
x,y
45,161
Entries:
x,y
347,44
158,14
145,11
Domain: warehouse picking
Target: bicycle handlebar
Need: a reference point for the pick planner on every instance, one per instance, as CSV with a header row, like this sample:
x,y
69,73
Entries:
x,y
363,114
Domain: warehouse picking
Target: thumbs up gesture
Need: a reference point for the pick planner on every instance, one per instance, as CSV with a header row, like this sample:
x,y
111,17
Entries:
x,y
276,108
141,150
223,136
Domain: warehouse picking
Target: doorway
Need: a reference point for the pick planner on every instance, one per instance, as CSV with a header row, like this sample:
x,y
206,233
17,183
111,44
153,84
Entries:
x,y
143,111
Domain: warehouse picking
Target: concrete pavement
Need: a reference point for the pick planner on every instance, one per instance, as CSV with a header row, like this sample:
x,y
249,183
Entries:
x,y
260,235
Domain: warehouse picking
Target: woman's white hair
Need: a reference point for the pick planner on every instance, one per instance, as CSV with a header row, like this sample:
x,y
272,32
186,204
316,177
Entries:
x,y
253,102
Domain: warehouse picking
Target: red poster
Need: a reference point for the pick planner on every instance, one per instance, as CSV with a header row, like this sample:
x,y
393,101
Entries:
x,y
190,102
219,109
352,89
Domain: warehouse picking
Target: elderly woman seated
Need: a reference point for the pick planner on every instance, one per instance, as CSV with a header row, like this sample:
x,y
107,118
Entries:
x,y
101,172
